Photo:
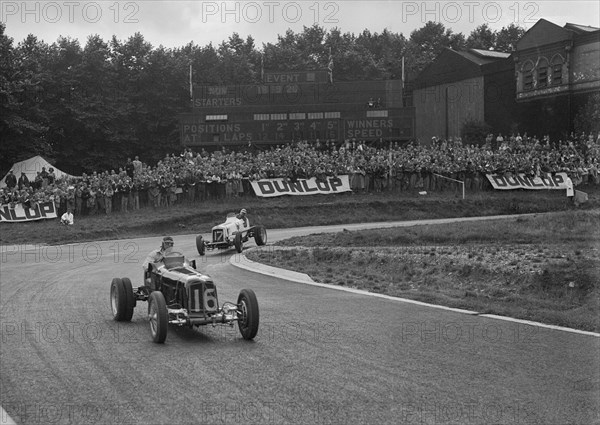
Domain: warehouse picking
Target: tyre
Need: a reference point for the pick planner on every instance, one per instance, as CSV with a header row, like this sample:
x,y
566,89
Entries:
x,y
200,245
158,316
260,235
122,300
238,242
247,314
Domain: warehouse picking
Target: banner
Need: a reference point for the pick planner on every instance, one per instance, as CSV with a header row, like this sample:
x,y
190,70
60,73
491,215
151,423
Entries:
x,y
523,181
41,211
268,188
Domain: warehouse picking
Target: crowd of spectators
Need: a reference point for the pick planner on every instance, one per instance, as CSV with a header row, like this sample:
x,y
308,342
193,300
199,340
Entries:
x,y
198,176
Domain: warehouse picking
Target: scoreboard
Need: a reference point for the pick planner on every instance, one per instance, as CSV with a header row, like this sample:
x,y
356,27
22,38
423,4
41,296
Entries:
x,y
299,106
396,127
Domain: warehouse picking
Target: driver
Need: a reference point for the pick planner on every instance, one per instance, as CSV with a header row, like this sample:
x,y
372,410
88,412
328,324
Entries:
x,y
157,255
242,216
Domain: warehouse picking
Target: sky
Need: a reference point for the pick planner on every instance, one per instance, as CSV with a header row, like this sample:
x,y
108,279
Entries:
x,y
176,23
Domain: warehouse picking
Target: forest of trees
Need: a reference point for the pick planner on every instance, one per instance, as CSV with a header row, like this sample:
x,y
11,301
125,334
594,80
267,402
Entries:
x,y
88,107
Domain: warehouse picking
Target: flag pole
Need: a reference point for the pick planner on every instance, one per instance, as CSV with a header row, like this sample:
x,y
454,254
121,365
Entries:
x,y
191,86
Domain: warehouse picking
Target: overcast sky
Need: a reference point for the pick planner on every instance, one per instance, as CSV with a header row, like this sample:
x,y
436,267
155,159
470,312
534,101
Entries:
x,y
175,23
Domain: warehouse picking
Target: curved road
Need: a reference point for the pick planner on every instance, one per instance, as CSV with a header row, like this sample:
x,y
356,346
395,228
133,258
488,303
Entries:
x,y
321,356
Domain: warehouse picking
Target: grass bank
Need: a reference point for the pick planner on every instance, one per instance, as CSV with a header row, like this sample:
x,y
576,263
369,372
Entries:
x,y
544,268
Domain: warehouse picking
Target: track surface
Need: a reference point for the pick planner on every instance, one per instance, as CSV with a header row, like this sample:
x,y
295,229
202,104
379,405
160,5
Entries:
x,y
321,356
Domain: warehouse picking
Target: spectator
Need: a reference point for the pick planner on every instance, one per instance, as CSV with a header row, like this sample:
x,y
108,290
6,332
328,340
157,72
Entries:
x,y
23,182
137,167
129,168
67,218
10,180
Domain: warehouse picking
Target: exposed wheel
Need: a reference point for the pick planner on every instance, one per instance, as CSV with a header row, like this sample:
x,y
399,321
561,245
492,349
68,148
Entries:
x,y
200,245
247,313
238,242
158,316
122,300
260,235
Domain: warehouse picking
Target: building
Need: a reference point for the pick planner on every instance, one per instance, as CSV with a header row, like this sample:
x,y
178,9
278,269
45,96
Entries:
x,y
459,87
557,69
296,105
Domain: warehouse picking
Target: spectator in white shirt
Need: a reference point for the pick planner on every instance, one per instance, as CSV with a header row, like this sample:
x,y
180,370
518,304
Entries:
x,y
67,218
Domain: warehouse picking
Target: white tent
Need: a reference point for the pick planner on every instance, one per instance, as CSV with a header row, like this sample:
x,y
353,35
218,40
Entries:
x,y
31,167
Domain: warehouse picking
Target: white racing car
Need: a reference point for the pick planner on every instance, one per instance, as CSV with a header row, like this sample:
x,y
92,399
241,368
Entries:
x,y
232,233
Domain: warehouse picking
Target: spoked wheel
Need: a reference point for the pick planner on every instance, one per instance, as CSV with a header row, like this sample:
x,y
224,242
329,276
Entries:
x,y
122,300
238,242
260,236
158,316
248,314
200,246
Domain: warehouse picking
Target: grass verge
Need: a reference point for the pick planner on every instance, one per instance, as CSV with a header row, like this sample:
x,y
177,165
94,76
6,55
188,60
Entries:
x,y
544,268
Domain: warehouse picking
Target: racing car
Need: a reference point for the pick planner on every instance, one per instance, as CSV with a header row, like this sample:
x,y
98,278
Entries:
x,y
232,232
178,294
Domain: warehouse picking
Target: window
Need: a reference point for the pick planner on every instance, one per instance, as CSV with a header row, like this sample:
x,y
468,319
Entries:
x,y
261,117
315,115
297,116
557,64
332,115
542,74
528,76
310,76
377,114
222,117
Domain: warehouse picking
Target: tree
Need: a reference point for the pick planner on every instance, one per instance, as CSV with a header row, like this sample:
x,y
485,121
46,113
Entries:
x,y
426,43
481,37
23,122
587,119
507,37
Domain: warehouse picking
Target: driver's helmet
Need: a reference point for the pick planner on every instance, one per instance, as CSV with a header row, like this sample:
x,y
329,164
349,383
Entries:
x,y
167,243
243,211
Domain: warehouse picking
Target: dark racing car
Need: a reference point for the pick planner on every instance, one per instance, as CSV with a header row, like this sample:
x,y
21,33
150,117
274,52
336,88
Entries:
x,y
178,294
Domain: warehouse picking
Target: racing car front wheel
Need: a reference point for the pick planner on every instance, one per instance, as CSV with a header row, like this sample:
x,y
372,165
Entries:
x,y
158,316
238,242
247,313
200,245
122,300
260,235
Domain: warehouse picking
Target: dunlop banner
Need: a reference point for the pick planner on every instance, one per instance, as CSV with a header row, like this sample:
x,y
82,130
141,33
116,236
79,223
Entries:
x,y
41,211
523,181
268,188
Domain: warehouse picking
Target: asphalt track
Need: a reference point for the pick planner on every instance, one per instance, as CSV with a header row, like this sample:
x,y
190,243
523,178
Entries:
x,y
321,356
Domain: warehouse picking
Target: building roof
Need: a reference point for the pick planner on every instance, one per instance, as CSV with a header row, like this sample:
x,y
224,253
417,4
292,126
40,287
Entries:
x,y
580,29
544,32
456,65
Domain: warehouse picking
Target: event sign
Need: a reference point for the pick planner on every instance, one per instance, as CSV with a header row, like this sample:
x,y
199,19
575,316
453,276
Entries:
x,y
267,188
524,181
41,211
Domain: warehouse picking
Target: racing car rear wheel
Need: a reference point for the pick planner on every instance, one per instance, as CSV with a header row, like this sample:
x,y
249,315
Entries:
x,y
122,300
238,242
200,245
158,316
247,313
260,235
